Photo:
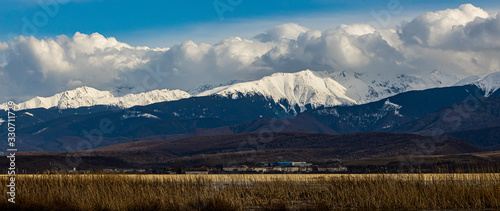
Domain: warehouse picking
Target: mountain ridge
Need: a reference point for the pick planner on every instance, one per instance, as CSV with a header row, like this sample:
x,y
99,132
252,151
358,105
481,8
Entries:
x,y
87,96
300,89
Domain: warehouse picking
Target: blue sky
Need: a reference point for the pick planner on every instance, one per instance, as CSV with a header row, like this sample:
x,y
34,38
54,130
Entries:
x,y
163,23
99,43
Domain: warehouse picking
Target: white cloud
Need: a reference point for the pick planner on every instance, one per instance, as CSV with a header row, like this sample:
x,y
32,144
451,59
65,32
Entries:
x,y
434,28
356,47
3,46
358,29
285,31
478,35
462,41
42,67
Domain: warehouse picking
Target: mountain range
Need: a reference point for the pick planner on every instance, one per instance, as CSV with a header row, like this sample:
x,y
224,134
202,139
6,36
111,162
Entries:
x,y
304,88
306,101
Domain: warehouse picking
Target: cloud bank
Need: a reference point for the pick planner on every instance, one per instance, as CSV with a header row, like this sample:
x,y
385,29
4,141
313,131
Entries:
x,y
463,41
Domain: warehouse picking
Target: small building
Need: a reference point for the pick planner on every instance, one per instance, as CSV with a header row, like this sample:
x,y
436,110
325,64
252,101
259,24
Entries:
x,y
293,164
231,168
306,168
290,169
242,168
301,164
284,163
277,168
260,169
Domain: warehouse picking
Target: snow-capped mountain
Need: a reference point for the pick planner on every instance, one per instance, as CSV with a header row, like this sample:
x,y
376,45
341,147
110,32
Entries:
x,y
489,83
331,89
205,87
365,87
151,97
298,89
468,80
302,88
87,96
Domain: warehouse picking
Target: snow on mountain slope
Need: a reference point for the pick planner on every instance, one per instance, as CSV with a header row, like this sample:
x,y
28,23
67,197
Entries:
x,y
365,87
151,97
331,89
489,83
87,96
205,87
468,80
300,89
136,114
388,106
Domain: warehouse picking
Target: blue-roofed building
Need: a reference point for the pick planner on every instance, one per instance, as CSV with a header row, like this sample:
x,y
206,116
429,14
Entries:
x,y
284,163
292,164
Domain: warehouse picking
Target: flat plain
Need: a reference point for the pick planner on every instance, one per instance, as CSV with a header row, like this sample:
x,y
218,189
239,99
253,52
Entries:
x,y
254,191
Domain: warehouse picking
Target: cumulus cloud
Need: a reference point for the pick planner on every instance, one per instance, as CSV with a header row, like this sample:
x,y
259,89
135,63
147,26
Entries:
x,y
452,29
462,41
51,65
356,47
478,35
285,31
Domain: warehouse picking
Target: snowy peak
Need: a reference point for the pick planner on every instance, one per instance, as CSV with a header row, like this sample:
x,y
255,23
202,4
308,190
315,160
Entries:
x,y
88,96
489,84
440,77
331,89
151,97
367,87
297,89
468,80
301,88
83,96
205,87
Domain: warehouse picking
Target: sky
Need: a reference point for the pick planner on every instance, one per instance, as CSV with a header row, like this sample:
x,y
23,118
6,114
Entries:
x,y
164,23
49,46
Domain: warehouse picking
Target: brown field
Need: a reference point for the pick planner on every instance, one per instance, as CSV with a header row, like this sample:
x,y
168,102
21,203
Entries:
x,y
253,192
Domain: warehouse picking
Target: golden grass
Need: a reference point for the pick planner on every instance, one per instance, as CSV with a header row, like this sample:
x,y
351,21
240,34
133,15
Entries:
x,y
243,192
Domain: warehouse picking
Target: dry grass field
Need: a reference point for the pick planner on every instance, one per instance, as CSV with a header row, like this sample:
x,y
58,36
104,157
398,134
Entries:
x,y
253,192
